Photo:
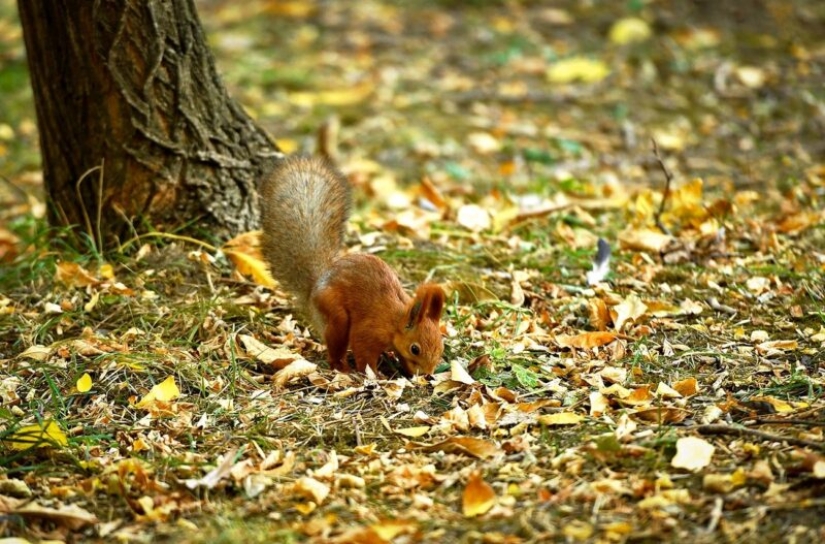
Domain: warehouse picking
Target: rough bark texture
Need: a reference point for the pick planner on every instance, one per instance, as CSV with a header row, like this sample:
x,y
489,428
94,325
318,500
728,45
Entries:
x,y
129,87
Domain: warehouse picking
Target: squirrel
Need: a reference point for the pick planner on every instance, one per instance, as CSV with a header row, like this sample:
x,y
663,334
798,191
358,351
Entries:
x,y
351,300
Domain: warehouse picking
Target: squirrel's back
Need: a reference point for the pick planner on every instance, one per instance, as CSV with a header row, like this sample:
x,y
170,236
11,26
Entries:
x,y
305,204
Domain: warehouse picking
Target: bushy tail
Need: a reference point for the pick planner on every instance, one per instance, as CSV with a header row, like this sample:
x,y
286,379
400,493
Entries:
x,y
305,204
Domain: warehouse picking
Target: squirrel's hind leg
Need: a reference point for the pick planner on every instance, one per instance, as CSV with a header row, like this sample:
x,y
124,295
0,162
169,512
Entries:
x,y
336,333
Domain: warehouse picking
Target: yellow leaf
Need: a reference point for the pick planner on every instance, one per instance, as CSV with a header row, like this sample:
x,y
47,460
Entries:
x,y
478,496
413,432
106,271
388,529
585,340
629,30
692,453
84,383
245,253
74,275
336,97
312,489
561,418
165,391
687,387
630,309
577,69
43,434
578,530
686,200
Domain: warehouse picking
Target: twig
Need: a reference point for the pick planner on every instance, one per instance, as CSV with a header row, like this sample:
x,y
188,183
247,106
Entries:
x,y
666,193
742,431
169,236
23,194
800,422
357,429
83,209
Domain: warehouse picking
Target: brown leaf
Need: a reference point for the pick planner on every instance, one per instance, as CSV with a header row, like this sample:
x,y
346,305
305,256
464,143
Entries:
x,y
662,415
474,447
70,516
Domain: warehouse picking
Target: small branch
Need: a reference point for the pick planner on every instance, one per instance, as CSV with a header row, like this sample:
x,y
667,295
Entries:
x,y
666,193
800,422
743,431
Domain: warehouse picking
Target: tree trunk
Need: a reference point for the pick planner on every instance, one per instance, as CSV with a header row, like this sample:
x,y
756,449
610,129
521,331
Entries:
x,y
136,129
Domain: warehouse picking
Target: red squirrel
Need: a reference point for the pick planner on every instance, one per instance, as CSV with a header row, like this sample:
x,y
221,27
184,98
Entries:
x,y
353,300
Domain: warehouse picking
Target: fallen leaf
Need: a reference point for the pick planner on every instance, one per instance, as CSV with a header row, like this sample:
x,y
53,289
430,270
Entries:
x,y
474,447
561,418
687,387
74,275
630,309
311,488
629,30
294,370
581,69
478,496
585,340
473,218
251,265
214,476
278,357
84,383
413,432
70,516
39,435
165,391
644,239
692,453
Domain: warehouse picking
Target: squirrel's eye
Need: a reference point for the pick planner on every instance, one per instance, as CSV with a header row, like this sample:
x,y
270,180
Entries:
x,y
415,349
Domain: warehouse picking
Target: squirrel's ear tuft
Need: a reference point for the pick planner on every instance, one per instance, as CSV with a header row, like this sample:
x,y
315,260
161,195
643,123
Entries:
x,y
432,299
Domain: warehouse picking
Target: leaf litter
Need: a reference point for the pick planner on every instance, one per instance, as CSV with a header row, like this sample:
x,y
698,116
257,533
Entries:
x,y
634,348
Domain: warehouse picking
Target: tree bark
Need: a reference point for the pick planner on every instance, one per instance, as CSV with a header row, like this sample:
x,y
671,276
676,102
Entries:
x,y
136,128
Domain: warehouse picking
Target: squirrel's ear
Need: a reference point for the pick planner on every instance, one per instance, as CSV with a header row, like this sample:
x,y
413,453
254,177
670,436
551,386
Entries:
x,y
435,302
428,303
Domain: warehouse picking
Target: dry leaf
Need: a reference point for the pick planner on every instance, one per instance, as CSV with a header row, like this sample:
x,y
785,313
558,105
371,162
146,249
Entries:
x,y
561,418
165,391
294,370
478,496
74,275
650,240
692,453
214,476
687,387
84,383
474,447
629,30
253,266
459,374
577,69
311,488
473,218
70,516
585,340
278,358
630,309
45,434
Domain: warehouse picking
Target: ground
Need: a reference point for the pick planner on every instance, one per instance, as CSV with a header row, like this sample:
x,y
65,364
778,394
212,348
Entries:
x,y
162,393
